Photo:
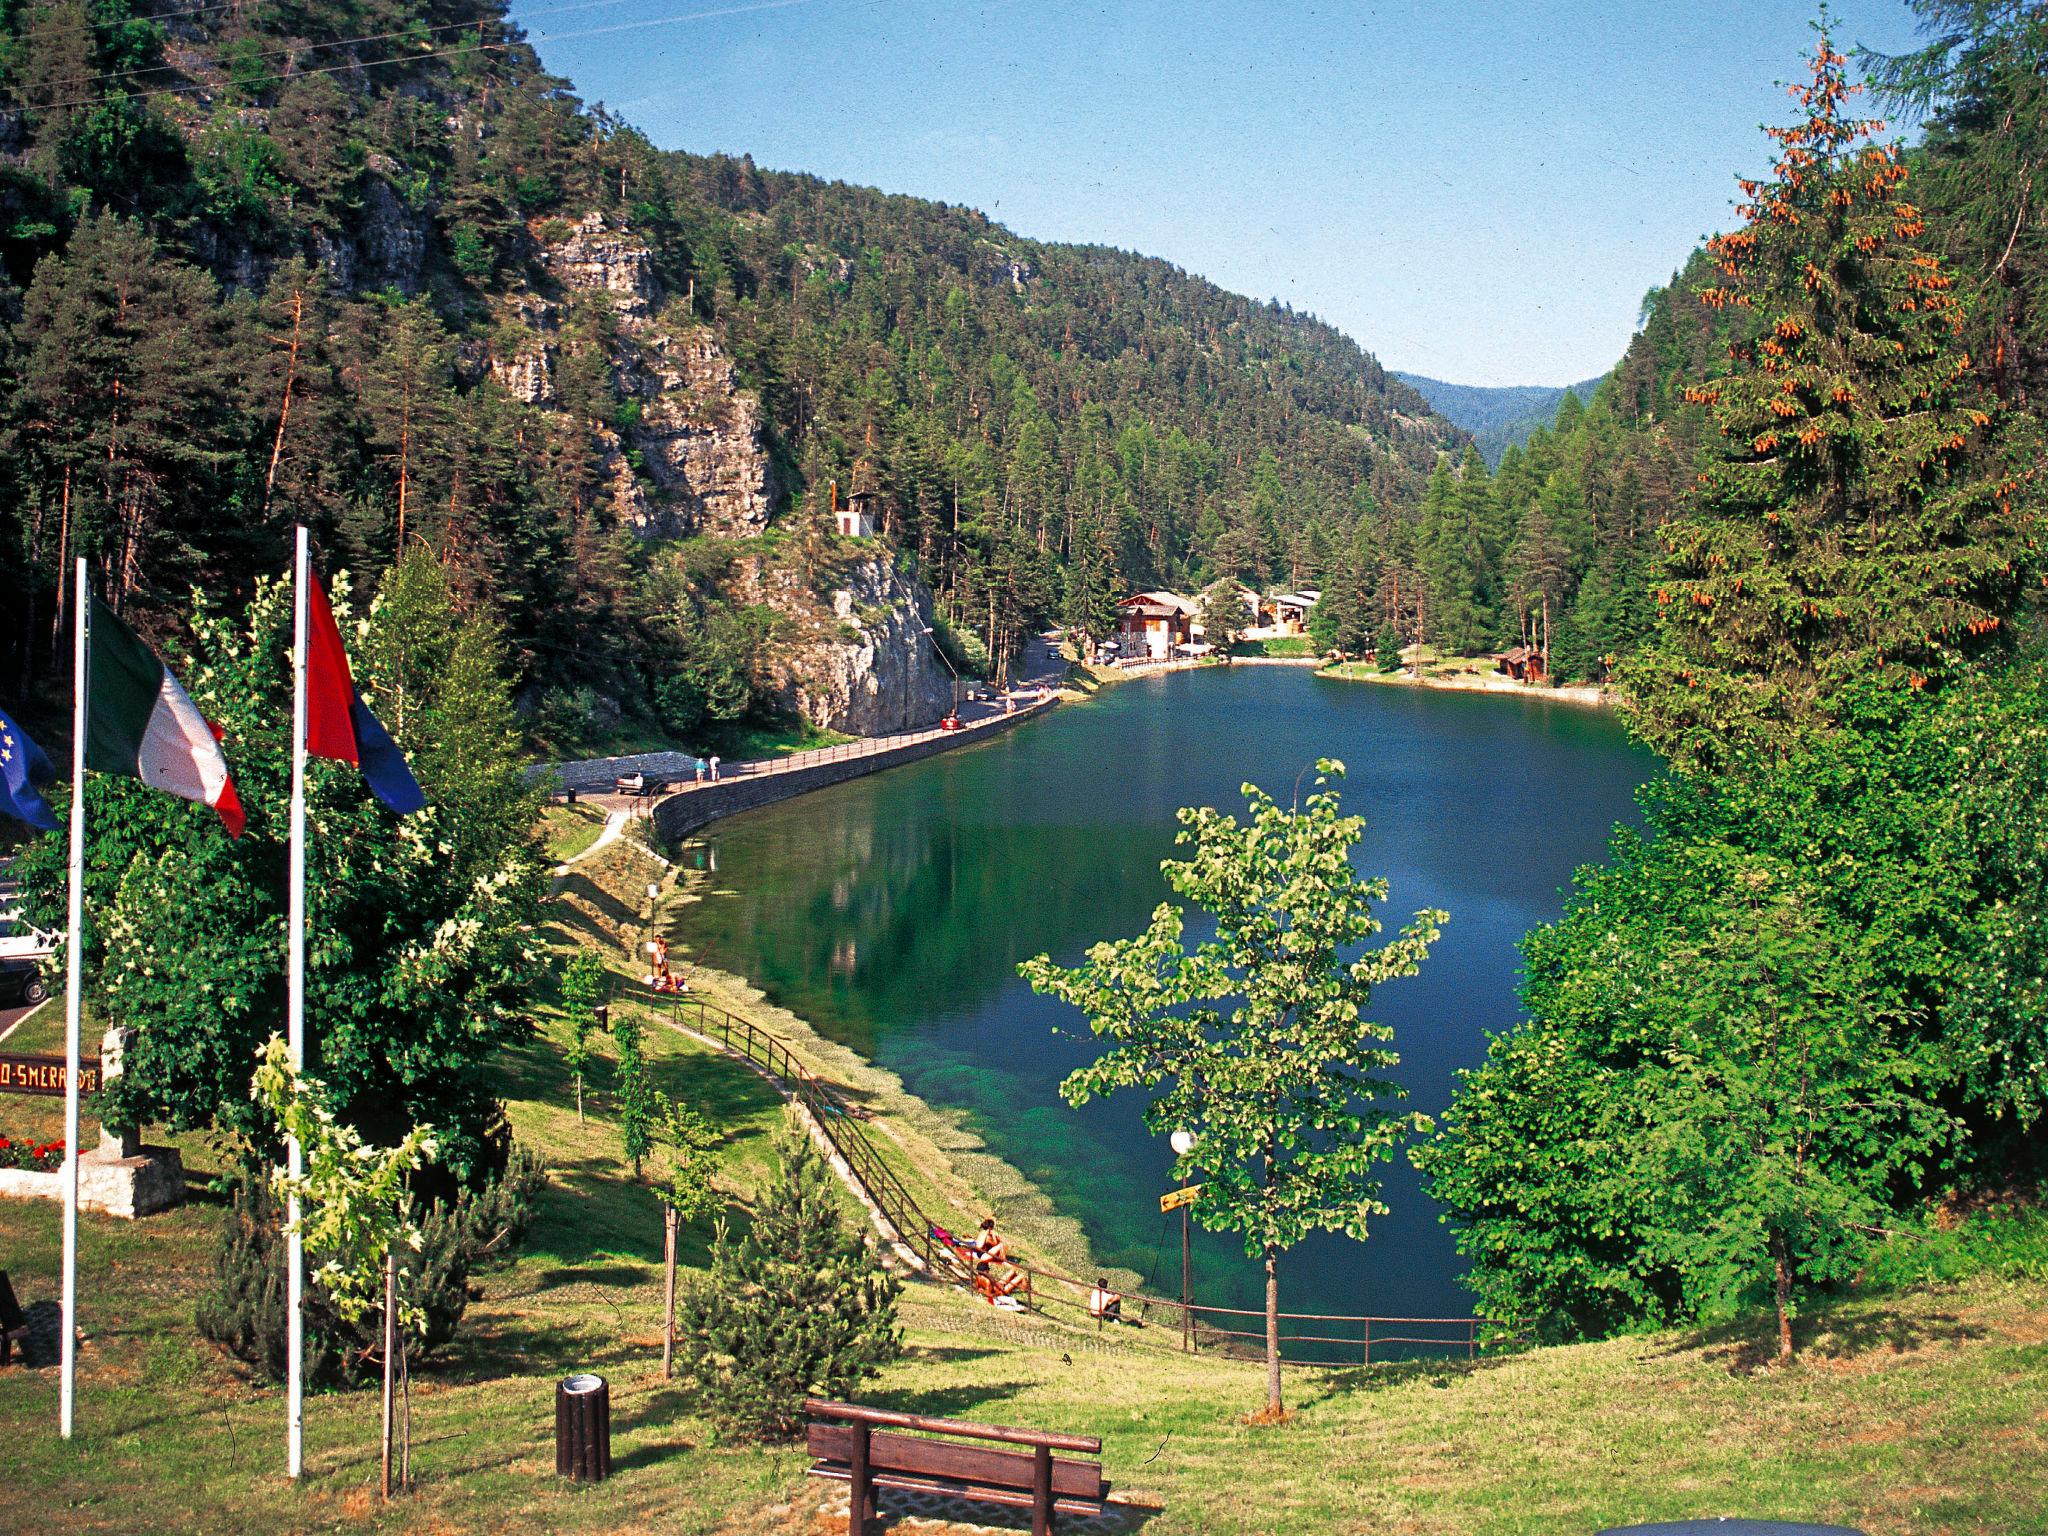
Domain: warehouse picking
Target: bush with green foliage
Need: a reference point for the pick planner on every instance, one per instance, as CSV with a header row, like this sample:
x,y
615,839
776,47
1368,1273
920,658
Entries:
x,y
799,1306
635,1091
243,1307
421,958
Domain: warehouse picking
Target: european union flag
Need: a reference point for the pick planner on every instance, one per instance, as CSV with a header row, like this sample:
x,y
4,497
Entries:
x,y
22,768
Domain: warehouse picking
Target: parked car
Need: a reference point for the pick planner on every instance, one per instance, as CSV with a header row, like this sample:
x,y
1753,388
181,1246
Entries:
x,y
23,950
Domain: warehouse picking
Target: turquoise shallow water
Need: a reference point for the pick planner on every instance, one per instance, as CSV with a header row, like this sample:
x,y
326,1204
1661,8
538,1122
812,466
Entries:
x,y
891,912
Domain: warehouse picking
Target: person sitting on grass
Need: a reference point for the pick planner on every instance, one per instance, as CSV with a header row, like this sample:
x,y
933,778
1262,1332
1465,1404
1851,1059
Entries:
x,y
1105,1305
1001,1290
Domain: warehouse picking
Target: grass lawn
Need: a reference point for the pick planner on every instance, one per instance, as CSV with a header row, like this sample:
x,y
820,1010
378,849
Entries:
x,y
758,741
568,830
1277,645
1909,1416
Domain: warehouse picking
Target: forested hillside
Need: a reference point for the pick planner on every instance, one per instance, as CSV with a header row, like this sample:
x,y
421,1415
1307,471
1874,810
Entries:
x,y
1556,548
1806,1009
1498,417
367,266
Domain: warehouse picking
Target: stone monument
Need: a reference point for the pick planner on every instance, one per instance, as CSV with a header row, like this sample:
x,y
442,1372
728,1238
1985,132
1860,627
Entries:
x,y
122,1177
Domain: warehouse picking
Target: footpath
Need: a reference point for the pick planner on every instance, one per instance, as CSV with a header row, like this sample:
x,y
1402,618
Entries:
x,y
688,804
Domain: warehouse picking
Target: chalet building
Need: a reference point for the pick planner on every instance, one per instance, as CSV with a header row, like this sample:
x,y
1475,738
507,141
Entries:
x,y
1279,613
1524,664
1154,624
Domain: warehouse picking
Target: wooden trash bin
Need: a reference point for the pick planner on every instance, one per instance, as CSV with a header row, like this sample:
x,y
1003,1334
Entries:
x,y
583,1428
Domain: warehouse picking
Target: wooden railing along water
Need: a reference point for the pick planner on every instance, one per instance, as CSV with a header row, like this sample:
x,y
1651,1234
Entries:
x,y
1334,1338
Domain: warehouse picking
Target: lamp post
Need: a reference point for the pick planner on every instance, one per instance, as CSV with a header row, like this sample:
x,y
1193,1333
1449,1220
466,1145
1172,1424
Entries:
x,y
1183,1142
940,651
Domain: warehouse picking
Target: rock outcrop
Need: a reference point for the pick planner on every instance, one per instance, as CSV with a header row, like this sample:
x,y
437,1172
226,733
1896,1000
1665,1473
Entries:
x,y
701,437
857,657
868,663
701,434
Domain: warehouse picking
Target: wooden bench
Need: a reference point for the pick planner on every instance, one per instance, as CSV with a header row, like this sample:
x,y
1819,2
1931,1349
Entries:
x,y
13,1321
855,1445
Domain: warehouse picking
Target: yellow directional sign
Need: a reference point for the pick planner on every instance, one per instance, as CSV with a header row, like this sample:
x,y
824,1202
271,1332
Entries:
x,y
1177,1198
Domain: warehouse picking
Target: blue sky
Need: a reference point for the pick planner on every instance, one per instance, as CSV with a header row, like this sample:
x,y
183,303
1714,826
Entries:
x,y
1479,191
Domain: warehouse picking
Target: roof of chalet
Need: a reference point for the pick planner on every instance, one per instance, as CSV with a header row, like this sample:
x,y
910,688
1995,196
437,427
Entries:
x,y
1519,653
1171,601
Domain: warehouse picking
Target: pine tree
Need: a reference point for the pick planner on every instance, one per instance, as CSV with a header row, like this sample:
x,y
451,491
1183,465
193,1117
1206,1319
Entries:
x,y
798,1306
1848,535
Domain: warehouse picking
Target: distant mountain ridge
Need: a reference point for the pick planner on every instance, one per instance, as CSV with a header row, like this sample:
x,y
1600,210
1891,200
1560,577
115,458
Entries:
x,y
1496,417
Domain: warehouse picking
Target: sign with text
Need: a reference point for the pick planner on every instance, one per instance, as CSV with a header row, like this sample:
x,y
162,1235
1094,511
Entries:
x,y
45,1074
1178,1198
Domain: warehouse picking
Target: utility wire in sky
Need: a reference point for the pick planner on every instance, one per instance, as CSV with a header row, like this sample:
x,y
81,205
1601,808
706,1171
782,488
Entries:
x,y
412,57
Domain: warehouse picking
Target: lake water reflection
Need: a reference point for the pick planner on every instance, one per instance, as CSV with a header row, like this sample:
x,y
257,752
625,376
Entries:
x,y
892,912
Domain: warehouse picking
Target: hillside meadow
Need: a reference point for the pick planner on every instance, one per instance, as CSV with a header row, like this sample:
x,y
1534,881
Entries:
x,y
1924,1412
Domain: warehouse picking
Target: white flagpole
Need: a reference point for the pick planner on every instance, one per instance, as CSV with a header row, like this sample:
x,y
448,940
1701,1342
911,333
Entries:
x,y
81,620
295,1020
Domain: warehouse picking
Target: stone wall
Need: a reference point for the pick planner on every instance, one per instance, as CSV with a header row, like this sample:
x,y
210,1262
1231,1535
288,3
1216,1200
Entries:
x,y
677,816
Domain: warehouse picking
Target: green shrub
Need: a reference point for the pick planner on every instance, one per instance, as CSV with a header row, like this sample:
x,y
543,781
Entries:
x,y
797,1306
243,1309
2009,1242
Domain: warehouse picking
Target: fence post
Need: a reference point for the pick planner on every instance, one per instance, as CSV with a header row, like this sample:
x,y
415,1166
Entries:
x,y
1368,1341
858,1479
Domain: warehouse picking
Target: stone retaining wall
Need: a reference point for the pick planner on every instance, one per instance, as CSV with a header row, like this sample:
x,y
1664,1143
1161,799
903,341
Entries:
x,y
597,775
677,815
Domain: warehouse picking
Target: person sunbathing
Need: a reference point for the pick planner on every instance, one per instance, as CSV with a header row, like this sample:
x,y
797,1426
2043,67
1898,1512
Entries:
x,y
987,1245
1000,1290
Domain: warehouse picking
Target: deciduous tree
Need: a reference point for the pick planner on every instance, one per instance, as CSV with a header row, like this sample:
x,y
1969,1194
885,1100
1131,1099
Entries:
x,y
1257,1040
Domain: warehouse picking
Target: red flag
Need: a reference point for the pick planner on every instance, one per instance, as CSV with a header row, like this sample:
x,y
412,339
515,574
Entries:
x,y
330,690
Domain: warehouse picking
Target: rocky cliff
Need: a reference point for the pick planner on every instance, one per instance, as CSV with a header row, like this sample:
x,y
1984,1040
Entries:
x,y
857,655
863,660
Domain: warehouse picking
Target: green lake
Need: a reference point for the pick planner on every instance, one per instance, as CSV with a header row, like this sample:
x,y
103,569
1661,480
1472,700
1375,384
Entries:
x,y
891,912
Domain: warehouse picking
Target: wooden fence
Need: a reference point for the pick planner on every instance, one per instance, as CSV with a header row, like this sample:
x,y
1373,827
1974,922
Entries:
x,y
1199,1327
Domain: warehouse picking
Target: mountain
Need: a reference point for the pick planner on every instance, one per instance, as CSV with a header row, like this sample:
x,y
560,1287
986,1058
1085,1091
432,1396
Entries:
x,y
1496,417
264,264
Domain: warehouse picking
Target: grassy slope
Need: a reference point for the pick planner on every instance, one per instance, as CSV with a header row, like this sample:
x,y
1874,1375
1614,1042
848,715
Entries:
x,y
1923,1414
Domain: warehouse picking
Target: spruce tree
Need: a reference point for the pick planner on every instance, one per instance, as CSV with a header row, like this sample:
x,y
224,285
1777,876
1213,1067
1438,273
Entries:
x,y
797,1306
1849,533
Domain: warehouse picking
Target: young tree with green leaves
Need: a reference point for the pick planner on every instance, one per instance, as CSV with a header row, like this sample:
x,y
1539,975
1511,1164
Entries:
x,y
1784,1101
635,1091
585,983
1256,1040
355,1209
685,1192
1852,527
797,1306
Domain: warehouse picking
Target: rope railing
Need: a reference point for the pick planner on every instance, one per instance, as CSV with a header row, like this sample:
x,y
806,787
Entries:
x,y
841,1126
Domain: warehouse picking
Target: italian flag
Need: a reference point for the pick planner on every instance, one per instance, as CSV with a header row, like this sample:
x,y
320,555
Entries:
x,y
141,723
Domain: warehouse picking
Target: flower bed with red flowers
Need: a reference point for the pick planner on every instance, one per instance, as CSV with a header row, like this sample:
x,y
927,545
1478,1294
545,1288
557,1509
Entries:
x,y
34,1156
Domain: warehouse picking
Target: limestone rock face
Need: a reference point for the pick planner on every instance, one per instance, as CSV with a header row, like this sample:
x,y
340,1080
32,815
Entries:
x,y
597,258
701,434
865,665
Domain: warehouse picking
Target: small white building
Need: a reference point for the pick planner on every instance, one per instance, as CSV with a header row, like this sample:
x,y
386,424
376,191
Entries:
x,y
856,518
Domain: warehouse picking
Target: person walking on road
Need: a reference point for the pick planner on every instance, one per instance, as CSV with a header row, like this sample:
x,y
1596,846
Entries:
x,y
700,770
714,768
